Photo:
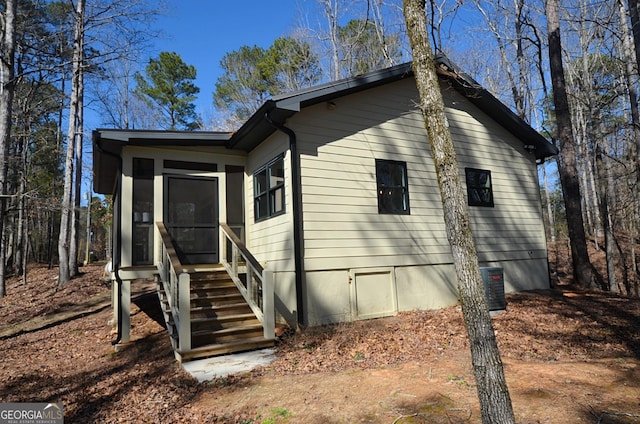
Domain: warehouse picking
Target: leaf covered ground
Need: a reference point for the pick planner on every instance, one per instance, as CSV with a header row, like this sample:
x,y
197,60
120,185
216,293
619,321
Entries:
x,y
570,357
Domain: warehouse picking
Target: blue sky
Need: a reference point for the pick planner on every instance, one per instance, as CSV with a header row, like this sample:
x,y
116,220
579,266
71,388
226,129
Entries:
x,y
203,31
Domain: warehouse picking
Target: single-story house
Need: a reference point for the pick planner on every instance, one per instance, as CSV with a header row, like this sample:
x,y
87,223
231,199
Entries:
x,y
322,208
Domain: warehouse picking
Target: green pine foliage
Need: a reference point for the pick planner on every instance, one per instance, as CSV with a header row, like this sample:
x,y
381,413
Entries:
x,y
252,75
169,86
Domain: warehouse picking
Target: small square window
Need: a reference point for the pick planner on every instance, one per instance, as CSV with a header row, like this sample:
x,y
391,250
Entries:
x,y
479,190
268,189
393,187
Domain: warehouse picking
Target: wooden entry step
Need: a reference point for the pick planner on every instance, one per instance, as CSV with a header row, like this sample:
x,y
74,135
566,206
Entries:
x,y
221,320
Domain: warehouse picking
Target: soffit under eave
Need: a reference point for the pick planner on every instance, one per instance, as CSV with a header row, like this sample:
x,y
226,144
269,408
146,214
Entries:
x,y
257,129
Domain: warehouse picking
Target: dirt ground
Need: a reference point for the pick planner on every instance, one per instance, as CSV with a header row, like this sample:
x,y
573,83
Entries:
x,y
569,357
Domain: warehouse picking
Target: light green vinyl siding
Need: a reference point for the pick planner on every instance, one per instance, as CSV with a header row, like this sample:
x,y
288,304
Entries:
x,y
270,240
513,229
342,227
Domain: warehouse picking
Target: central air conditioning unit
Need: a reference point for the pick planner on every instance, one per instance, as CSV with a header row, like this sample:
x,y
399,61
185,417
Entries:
x,y
493,279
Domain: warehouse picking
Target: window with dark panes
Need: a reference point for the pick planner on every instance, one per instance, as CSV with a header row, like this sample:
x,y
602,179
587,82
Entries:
x,y
268,188
479,190
393,187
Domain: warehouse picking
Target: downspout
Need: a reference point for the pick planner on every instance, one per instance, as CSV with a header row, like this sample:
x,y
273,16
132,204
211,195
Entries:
x,y
118,235
297,212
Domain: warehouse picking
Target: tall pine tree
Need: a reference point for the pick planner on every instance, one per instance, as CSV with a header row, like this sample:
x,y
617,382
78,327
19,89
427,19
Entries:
x,y
169,86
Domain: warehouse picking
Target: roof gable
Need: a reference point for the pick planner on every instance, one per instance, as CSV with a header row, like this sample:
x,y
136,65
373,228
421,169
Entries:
x,y
282,107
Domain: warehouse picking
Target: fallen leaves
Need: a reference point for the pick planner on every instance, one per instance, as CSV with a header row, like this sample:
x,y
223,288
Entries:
x,y
73,361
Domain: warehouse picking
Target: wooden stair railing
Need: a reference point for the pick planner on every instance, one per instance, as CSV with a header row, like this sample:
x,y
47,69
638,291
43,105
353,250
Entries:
x,y
257,286
177,288
225,308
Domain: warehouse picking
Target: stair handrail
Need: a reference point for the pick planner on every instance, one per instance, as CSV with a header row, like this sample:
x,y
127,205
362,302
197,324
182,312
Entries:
x,y
258,287
177,287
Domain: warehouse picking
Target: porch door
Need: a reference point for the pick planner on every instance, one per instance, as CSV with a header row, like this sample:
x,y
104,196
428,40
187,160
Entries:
x,y
191,217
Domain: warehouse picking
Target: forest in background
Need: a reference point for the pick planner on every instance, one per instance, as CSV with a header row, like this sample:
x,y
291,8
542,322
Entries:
x,y
68,58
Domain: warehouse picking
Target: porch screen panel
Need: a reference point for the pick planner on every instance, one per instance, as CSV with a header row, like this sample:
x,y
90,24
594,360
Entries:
x,y
142,211
191,217
235,199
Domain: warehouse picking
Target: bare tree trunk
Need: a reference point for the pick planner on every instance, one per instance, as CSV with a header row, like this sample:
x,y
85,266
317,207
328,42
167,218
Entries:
x,y
586,144
634,261
517,89
50,234
583,270
65,219
64,240
588,185
22,175
609,242
75,227
380,31
589,168
25,251
495,402
582,114
634,13
331,9
630,58
7,87
73,237
539,65
552,222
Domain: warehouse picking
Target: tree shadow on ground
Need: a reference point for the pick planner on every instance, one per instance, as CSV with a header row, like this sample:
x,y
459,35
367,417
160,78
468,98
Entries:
x,y
598,325
150,305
